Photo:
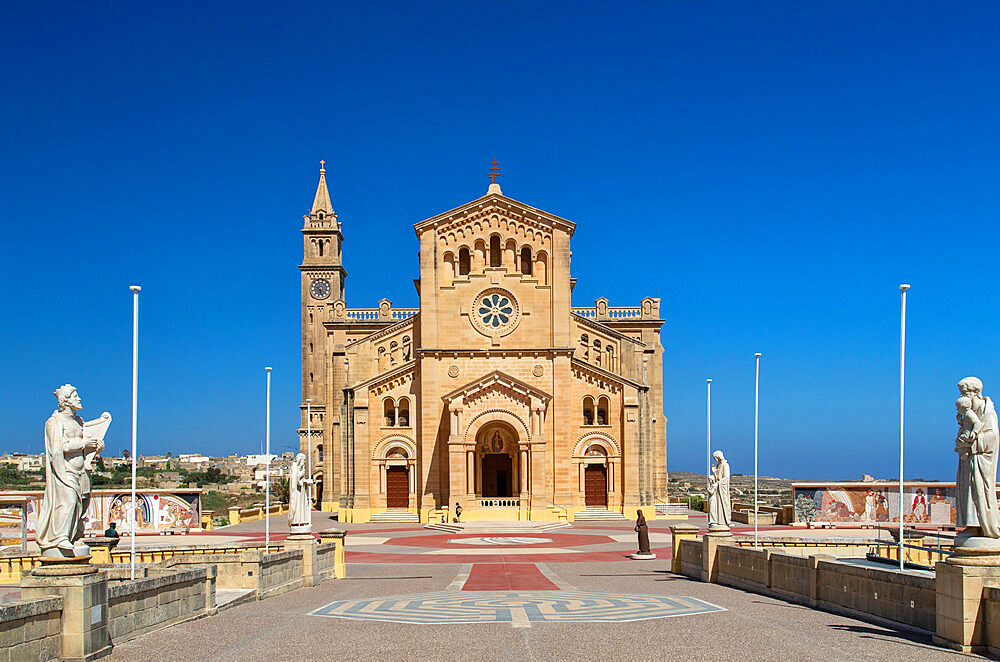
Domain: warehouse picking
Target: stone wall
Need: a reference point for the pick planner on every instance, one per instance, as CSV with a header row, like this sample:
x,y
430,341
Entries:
x,y
280,572
991,605
745,568
793,578
31,630
691,558
884,593
167,597
325,561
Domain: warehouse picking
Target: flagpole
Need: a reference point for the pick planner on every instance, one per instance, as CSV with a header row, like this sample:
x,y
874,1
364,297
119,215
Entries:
x,y
756,398
902,370
708,436
309,447
267,470
135,397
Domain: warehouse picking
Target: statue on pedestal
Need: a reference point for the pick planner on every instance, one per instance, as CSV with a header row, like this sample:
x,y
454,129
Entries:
x,y
299,506
975,482
720,506
70,448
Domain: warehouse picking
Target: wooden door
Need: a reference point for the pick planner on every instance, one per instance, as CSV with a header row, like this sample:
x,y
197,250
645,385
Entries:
x,y
595,485
397,487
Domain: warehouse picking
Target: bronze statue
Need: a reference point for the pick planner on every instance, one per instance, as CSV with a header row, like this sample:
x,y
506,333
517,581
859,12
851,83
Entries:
x,y
643,531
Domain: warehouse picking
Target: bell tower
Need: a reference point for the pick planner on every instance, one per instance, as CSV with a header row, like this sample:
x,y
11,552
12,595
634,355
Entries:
x,y
322,283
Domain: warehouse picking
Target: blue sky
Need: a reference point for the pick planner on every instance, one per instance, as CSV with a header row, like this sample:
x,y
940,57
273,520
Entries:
x,y
786,166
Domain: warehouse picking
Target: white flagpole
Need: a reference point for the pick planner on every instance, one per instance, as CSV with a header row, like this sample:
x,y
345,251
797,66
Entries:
x,y
902,367
135,396
267,470
309,447
708,436
756,392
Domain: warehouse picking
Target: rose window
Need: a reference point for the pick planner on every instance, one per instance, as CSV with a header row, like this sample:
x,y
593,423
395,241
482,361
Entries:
x,y
496,310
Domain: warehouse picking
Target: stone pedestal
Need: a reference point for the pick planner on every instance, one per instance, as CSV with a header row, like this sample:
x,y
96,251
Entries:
x,y
679,532
85,600
710,553
961,613
307,544
336,536
100,548
642,557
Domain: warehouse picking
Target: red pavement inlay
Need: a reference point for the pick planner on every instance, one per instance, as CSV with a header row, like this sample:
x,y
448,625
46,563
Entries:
x,y
507,577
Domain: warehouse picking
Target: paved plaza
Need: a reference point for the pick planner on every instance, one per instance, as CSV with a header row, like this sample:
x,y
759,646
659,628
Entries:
x,y
417,594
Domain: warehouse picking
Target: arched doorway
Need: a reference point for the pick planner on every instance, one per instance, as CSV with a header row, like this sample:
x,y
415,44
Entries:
x,y
595,485
497,452
397,487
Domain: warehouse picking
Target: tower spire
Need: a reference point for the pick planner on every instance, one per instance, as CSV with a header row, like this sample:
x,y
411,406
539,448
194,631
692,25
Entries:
x,y
322,200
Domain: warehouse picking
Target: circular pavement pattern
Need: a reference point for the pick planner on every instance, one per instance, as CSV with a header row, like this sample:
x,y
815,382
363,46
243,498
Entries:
x,y
499,540
517,607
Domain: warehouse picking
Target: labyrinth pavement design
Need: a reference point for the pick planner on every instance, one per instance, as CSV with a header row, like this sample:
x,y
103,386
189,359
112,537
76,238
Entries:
x,y
516,606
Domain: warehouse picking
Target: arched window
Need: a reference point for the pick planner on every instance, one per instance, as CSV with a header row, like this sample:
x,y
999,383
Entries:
x,y
310,318
464,261
479,256
603,404
526,260
585,343
509,255
320,216
319,452
448,274
381,358
310,378
610,351
541,267
393,352
389,413
496,259
597,353
310,348
403,417
406,348
588,410
320,247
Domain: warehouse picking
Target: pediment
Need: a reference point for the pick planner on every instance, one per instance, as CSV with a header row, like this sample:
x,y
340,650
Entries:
x,y
495,204
497,381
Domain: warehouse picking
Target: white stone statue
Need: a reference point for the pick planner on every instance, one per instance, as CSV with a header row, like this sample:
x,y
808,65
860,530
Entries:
x,y
720,507
977,448
70,448
299,506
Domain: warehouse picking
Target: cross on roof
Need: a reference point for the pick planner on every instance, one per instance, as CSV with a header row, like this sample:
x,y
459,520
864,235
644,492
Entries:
x,y
494,171
322,164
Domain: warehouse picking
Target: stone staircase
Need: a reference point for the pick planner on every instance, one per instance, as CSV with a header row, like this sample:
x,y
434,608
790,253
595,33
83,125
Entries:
x,y
599,514
395,516
496,527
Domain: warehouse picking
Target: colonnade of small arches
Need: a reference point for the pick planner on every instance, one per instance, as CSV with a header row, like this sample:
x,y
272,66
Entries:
x,y
596,412
497,253
321,247
600,354
392,354
396,412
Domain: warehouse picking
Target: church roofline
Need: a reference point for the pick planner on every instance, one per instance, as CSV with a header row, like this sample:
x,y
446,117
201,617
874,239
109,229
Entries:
x,y
500,200
580,363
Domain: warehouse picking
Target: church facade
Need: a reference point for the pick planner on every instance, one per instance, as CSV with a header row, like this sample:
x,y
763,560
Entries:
x,y
496,393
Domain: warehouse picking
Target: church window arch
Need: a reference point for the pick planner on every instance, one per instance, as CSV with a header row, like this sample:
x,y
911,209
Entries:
x,y
319,246
403,412
310,378
310,318
603,405
597,353
407,348
393,352
526,260
310,348
610,351
510,255
449,269
541,267
464,261
479,256
588,410
496,259
381,358
388,413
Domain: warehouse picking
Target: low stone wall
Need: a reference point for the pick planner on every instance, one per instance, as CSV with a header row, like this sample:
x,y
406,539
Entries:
x,y
268,574
991,605
167,597
838,546
888,594
31,630
820,580
690,551
745,568
280,572
326,561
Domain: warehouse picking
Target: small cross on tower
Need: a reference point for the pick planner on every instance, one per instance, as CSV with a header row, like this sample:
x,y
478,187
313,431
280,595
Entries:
x,y
322,164
494,171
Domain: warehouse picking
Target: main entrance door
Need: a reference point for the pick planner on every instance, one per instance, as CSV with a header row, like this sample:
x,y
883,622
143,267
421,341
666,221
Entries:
x,y
397,487
595,485
497,475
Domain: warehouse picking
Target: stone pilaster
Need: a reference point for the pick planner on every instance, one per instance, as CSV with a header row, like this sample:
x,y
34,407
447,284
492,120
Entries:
x,y
85,606
679,532
961,612
307,544
710,553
